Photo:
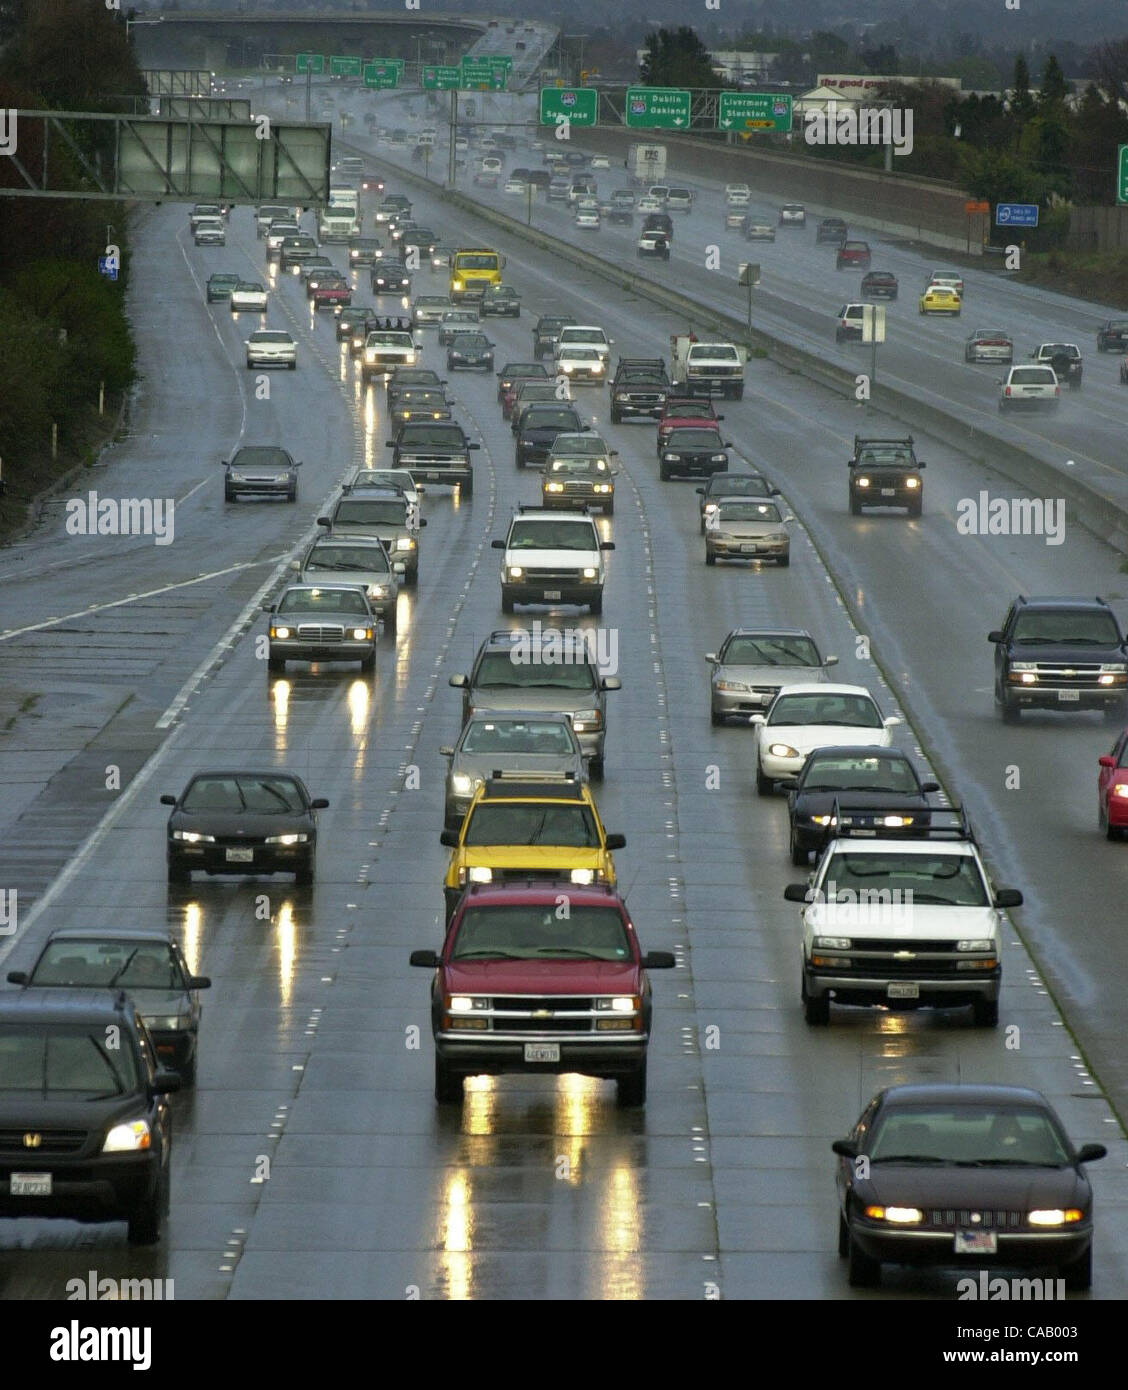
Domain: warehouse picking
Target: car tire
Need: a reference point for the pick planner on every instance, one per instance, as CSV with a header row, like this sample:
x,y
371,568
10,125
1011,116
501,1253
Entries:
x,y
915,508
506,603
864,1272
764,785
368,664
799,857
448,1084
710,558
596,606
595,768
293,366
292,495
985,1013
784,561
276,665
177,873
664,471
391,620
616,418
715,718
1009,711
145,1220
816,1008
188,1071
608,509
855,507
843,1237
631,1089
1078,1275
230,495
303,876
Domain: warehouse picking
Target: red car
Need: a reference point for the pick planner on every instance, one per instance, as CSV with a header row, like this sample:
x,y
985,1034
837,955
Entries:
x,y
853,255
520,986
1112,788
329,289
372,183
509,380
690,413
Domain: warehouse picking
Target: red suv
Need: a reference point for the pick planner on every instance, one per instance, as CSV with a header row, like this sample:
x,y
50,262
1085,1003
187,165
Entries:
x,y
853,255
687,413
541,977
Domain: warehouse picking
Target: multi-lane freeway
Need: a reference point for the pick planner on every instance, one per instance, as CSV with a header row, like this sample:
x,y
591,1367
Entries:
x,y
311,1160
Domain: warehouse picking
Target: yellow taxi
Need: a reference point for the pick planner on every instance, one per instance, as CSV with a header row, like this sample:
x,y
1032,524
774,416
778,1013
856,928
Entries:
x,y
524,830
940,299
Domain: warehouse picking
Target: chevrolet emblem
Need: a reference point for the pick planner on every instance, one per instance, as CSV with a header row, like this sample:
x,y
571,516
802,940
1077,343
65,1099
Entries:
x,y
904,955
32,1141
542,1013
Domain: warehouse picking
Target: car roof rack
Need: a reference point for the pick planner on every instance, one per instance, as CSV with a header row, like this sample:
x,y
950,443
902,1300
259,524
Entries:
x,y
854,819
861,440
561,789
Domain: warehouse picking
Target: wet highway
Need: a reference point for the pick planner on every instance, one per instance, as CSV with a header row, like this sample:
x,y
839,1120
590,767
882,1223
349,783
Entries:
x,y
311,1161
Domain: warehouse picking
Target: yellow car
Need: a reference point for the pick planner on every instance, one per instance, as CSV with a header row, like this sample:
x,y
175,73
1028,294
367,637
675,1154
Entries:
x,y
940,299
529,830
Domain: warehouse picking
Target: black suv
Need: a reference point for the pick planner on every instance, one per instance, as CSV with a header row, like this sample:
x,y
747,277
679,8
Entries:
x,y
1060,653
546,331
540,424
831,229
437,451
885,473
85,1123
640,387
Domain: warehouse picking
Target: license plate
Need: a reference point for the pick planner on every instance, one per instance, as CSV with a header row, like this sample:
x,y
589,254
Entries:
x,y
552,593
855,831
1069,695
889,492
240,856
542,1052
30,1185
903,991
977,1243
748,549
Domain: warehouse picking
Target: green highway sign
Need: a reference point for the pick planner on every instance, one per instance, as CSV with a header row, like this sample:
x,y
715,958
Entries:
x,y
753,111
344,67
501,60
1122,174
309,62
653,107
579,104
441,78
381,74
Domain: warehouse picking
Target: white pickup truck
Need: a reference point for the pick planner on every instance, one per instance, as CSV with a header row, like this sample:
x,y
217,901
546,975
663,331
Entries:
x,y
706,368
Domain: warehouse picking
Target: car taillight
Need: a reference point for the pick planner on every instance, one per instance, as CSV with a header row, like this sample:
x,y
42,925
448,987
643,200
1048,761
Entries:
x,y
1007,391
1057,390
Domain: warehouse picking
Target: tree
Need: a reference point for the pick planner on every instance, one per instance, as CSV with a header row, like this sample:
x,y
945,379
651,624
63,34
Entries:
x,y
1054,86
881,60
677,58
1022,103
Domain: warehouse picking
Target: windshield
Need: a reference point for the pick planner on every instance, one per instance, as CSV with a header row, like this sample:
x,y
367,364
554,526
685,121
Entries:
x,y
694,439
499,671
261,456
435,435
548,737
56,1060
689,410
582,335
857,773
471,340
552,535
885,455
323,601
1060,350
1096,629
1032,376
371,513
968,1134
770,651
233,794
535,391
526,933
348,557
852,711
475,263
525,369
749,511
532,823
736,485
266,336
947,880
556,419
582,464
105,964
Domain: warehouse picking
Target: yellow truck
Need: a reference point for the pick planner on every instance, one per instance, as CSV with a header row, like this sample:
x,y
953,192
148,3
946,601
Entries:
x,y
472,270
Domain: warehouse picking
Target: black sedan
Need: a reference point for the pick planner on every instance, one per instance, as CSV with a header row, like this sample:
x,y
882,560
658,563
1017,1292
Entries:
x,y
879,284
472,351
969,1176
243,823
540,424
148,964
692,452
857,779
1112,336
722,486
389,279
502,300
260,470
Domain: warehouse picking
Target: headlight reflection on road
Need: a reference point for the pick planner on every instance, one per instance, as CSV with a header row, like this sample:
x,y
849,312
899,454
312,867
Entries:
x,y
456,1237
373,445
621,1236
286,935
360,697
190,941
280,712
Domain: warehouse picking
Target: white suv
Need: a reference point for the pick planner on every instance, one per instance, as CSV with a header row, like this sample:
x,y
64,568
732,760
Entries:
x,y
1031,388
585,335
737,195
905,921
552,557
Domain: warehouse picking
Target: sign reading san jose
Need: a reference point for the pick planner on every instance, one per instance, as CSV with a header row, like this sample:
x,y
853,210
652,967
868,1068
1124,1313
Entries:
x,y
579,104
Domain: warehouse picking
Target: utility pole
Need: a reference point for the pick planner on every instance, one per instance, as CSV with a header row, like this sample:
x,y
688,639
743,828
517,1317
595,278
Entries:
x,y
309,89
453,135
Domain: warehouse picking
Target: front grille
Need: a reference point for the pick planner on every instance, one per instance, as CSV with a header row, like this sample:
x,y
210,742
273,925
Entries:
x,y
556,1002
873,943
524,875
952,1218
321,632
542,1025
578,487
51,1141
552,576
1068,675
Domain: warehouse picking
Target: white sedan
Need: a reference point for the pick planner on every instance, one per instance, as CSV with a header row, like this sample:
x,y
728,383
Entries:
x,y
649,203
270,347
600,161
588,218
802,717
248,297
580,363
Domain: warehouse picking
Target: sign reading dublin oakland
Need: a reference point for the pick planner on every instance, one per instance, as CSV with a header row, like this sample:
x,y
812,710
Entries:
x,y
843,123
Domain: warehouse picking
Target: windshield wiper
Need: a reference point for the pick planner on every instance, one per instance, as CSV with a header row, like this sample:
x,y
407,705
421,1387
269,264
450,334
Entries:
x,y
569,951
1007,1163
490,952
911,1158
121,971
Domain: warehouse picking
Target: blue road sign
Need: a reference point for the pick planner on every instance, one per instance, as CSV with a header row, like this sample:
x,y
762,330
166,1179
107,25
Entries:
x,y
106,269
1016,214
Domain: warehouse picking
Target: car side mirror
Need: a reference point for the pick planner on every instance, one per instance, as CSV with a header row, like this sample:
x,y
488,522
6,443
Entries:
x,y
224,463
422,521
446,751
473,446
757,719
1089,1153
268,607
296,565
390,443
844,1148
727,444
611,683
428,959
614,453
711,658
1008,897
399,567
921,463
797,893
497,545
449,838
167,800
830,661
325,521
666,960
788,784
930,786
607,545
616,841
1106,760
459,682
995,636
165,1082
199,982
319,803
892,720
17,977
700,491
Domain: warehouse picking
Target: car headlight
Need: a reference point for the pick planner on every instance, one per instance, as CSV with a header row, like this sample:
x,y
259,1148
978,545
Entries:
x,y
672,458
719,458
554,487
825,820
480,874
897,1216
462,784
193,837
1053,1216
515,571
618,1004
582,876
1024,665
912,482
456,284
292,838
597,366
862,482
132,1136
975,944
736,687
895,822
1120,789
377,591
566,367
460,1004
405,543
165,1022
235,477
783,750
585,720
590,573
281,632
361,634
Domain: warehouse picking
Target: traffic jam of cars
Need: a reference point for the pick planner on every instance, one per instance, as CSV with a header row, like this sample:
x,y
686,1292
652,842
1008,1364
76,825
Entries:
x,y
543,970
